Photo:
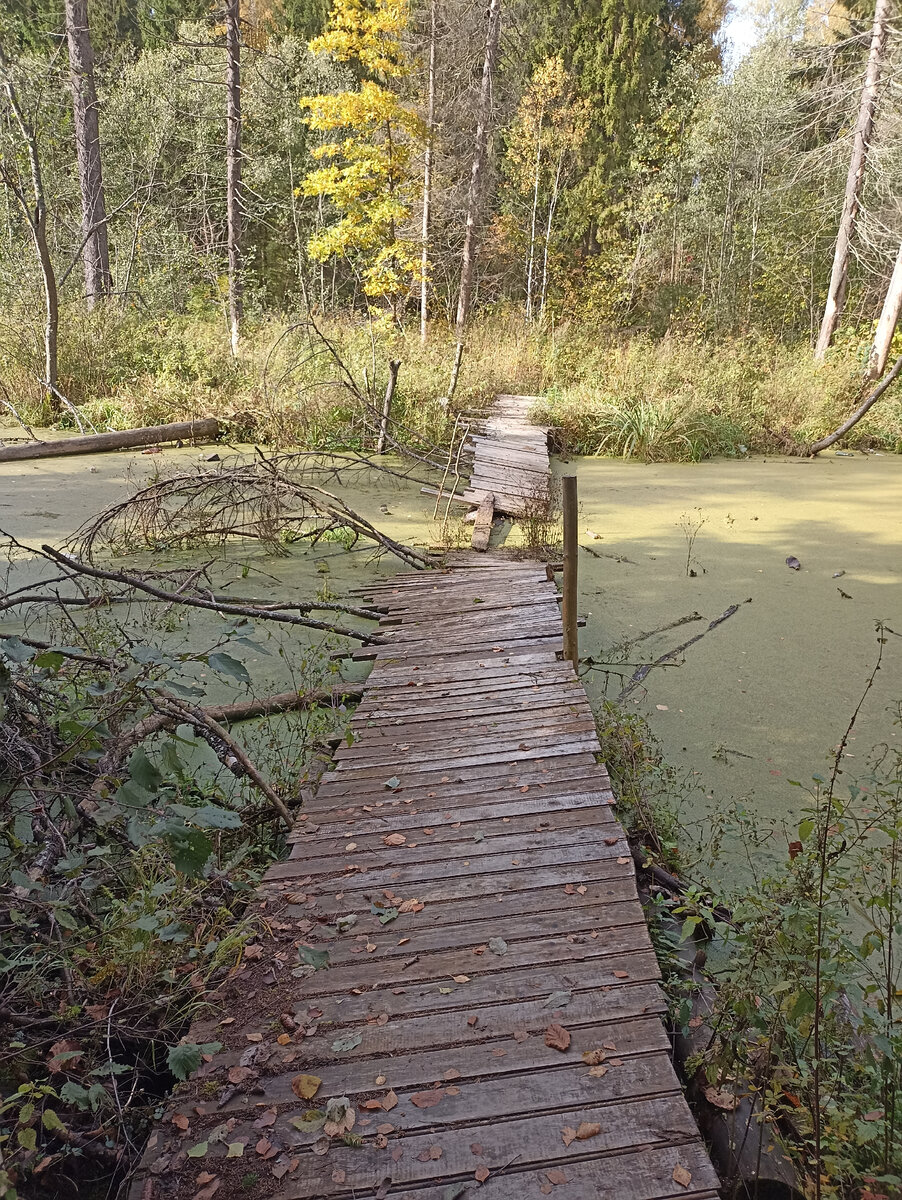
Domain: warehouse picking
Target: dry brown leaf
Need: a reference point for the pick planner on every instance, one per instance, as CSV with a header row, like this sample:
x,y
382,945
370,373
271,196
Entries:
x,y
482,1174
204,1177
472,1021
568,1135
556,1176
557,1037
721,1098
594,1057
681,1175
305,1087
623,860
398,1154
386,1128
598,1072
520,1035
452,1091
380,1079
208,1192
55,1060
451,1073
239,1074
253,951
372,1104
394,839
263,1146
339,1175
461,978
266,1119
476,1148
254,1037
587,1129
389,1100
284,1039
427,1099
621,974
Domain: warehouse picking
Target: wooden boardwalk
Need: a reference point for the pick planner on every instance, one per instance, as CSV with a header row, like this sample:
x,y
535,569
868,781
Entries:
x,y
510,470
485,995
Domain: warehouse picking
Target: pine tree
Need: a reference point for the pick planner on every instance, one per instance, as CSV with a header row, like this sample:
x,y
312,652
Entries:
x,y
367,173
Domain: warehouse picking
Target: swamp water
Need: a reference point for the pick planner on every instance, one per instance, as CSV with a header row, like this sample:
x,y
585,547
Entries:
x,y
760,700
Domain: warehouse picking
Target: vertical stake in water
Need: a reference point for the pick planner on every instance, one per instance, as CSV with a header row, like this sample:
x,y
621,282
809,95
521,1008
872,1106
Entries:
x,y
571,570
393,368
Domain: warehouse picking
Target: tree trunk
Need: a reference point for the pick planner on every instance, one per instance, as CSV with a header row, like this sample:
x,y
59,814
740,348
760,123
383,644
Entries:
x,y
204,429
867,403
530,261
427,177
233,166
855,179
477,172
96,252
886,326
36,218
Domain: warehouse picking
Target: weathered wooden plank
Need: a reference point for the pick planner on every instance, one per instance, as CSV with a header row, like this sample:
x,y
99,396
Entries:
x,y
482,526
522,909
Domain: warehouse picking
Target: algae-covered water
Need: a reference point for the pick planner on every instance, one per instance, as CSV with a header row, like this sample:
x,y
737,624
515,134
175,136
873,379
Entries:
x,y
759,701
764,696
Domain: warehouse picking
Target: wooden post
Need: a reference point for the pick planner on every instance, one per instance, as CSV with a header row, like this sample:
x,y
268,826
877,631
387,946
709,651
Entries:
x,y
571,570
393,367
455,371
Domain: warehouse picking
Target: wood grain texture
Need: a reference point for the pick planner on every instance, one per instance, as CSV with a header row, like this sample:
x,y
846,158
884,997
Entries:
x,y
463,867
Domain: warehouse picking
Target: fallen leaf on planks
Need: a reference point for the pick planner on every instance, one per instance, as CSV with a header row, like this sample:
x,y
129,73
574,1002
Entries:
x,y
557,1037
681,1175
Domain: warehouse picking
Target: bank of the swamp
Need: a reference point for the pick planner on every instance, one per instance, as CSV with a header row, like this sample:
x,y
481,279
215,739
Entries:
x,y
757,702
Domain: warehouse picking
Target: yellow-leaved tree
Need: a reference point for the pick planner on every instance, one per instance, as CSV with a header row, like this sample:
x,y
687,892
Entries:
x,y
366,171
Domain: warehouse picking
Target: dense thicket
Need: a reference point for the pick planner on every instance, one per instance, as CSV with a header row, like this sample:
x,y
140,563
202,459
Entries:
x,y
633,179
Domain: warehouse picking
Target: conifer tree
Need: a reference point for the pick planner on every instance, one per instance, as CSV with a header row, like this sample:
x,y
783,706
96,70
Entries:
x,y
366,175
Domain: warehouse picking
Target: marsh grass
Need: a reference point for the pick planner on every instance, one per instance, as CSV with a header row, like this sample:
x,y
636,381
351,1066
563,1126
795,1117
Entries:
x,y
676,398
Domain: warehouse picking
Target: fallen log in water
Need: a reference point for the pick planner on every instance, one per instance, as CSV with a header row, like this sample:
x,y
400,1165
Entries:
x,y
181,431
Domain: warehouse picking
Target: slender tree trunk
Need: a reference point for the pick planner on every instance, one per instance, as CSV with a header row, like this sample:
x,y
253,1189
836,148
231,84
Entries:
x,y
233,166
855,179
552,207
531,258
477,172
427,177
36,218
886,326
96,253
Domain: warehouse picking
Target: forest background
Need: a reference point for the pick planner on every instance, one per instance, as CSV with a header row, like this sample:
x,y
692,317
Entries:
x,y
646,229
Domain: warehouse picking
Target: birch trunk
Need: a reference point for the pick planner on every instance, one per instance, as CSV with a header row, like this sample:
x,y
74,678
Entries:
x,y
96,252
530,261
36,218
855,179
427,178
477,172
886,326
233,167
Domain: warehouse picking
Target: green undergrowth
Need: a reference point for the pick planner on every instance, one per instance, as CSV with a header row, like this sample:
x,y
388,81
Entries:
x,y
126,864
804,953
681,397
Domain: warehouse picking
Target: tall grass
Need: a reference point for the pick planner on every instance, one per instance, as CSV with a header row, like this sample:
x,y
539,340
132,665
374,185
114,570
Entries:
x,y
673,398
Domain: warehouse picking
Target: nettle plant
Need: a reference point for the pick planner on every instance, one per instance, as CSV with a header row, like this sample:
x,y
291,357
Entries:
x,y
131,835
810,999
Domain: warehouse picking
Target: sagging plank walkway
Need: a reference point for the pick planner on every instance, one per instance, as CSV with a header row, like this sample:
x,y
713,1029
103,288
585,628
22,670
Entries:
x,y
509,472
490,1008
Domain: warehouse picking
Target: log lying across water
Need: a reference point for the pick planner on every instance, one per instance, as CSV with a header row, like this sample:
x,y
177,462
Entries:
x,y
182,431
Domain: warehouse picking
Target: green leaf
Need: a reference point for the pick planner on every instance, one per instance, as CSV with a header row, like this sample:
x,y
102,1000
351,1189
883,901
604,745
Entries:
x,y
131,795
318,959
498,945
190,850
199,1150
209,816
557,1000
393,783
226,665
51,1121
343,1044
182,689
27,1139
805,829
183,1061
15,650
311,1122
74,1093
143,772
50,660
